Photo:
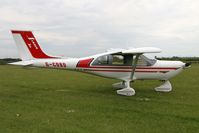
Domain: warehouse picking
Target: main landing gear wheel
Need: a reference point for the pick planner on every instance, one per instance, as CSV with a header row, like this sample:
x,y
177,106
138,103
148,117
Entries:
x,y
165,87
127,91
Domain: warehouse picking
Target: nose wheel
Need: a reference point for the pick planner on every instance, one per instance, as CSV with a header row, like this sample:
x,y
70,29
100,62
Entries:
x,y
165,87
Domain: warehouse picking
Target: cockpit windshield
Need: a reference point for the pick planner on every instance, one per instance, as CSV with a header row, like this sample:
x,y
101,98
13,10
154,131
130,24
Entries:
x,y
145,61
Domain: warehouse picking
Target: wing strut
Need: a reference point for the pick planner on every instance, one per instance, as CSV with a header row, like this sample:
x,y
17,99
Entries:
x,y
134,66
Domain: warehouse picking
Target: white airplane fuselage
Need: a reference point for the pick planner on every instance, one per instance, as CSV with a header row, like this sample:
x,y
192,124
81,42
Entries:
x,y
161,70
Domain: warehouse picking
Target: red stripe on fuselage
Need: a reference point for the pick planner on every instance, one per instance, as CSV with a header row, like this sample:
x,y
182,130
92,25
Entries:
x,y
104,70
130,67
85,65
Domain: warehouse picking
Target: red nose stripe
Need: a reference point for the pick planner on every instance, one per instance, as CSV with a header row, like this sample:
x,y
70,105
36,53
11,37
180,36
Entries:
x,y
84,63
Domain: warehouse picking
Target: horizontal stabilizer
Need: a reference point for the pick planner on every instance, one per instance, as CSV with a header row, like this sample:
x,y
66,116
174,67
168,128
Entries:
x,y
22,63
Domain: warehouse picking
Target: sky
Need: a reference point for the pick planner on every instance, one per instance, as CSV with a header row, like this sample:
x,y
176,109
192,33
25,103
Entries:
x,y
76,28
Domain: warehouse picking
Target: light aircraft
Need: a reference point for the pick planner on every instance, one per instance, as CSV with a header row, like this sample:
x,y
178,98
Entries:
x,y
126,65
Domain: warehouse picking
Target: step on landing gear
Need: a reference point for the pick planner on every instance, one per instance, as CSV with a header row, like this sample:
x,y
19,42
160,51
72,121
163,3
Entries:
x,y
119,85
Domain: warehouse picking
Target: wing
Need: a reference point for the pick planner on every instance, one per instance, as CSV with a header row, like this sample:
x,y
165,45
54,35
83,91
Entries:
x,y
142,50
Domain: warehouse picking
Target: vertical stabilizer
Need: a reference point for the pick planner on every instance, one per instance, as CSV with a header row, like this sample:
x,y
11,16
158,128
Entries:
x,y
28,46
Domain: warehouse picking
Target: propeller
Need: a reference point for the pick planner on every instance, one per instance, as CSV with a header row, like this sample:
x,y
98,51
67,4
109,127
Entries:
x,y
188,64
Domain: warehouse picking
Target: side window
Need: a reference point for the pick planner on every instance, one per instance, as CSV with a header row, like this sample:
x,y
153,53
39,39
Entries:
x,y
114,60
117,60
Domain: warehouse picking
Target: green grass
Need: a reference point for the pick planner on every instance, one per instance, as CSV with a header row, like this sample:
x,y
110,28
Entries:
x,y
49,101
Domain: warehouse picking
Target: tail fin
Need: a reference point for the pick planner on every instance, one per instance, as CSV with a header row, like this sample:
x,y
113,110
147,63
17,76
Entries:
x,y
28,46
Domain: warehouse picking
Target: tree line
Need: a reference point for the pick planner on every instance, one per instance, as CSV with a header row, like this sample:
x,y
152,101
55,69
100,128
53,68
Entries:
x,y
8,60
184,59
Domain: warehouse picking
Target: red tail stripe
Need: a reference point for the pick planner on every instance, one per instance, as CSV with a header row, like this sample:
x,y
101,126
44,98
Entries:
x,y
32,44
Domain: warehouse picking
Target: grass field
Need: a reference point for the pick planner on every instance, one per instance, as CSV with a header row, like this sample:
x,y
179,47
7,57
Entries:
x,y
49,101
